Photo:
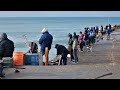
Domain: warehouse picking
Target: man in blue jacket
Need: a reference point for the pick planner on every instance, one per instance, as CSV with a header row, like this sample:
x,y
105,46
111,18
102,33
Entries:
x,y
45,41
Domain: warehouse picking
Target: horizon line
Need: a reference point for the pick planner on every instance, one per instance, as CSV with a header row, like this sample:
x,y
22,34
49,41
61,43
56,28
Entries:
x,y
59,16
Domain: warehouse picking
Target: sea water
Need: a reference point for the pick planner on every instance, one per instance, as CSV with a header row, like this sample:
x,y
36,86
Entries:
x,y
59,27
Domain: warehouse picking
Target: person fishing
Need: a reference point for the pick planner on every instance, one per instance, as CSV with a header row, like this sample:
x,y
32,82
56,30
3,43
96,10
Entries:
x,y
45,41
33,48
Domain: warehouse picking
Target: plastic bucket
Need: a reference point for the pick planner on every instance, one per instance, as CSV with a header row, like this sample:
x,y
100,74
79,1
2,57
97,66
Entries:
x,y
18,58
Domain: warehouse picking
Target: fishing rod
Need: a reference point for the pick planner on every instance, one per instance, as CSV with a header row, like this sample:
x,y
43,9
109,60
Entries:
x,y
26,41
108,20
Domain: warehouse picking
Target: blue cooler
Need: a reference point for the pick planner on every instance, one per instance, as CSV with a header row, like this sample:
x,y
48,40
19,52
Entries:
x,y
33,59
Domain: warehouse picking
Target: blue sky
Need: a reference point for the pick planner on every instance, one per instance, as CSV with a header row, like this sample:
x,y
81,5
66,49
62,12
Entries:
x,y
59,13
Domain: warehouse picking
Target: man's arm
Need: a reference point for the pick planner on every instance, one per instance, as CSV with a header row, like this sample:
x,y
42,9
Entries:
x,y
41,40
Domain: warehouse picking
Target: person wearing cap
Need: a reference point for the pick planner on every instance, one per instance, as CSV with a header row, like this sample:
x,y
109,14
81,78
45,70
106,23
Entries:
x,y
45,41
6,49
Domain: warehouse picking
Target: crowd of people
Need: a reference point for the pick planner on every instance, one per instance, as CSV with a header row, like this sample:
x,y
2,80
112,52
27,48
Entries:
x,y
88,37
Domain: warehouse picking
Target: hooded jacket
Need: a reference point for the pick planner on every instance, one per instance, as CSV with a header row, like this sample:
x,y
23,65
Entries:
x,y
6,46
61,50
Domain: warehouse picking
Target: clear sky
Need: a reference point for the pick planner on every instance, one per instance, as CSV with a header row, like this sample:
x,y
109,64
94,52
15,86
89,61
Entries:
x,y
59,13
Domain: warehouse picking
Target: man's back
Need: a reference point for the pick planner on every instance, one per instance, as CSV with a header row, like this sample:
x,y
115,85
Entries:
x,y
46,41
61,49
6,47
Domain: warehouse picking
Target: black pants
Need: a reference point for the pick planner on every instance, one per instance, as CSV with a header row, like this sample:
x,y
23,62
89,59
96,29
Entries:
x,y
81,46
63,60
1,69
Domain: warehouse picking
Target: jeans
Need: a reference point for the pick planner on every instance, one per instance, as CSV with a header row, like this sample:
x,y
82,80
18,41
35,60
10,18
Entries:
x,y
75,55
108,36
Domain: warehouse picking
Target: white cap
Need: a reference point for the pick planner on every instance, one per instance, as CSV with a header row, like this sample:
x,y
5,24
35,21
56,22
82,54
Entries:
x,y
44,30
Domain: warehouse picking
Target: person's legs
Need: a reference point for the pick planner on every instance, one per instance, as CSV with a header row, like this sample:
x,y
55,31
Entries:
x,y
101,37
75,55
92,39
72,57
81,46
43,53
89,41
1,70
65,60
61,61
109,36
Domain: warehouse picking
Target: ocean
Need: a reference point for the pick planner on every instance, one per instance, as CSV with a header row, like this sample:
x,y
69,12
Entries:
x,y
59,27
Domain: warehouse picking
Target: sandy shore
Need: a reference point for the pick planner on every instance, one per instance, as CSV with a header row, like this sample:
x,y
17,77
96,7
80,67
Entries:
x,y
104,59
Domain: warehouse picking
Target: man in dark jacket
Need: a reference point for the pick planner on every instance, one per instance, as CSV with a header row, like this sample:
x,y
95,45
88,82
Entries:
x,y
6,49
61,50
45,41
